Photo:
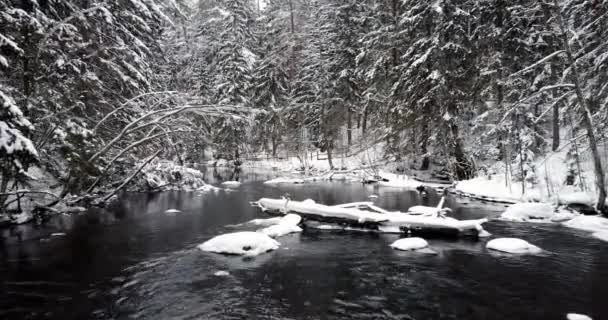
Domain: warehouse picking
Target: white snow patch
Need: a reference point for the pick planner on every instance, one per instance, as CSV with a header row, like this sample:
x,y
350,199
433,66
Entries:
x,y
596,224
288,224
266,222
172,211
23,217
577,316
279,230
398,181
577,197
285,181
528,212
245,243
407,244
221,273
58,234
327,227
208,188
512,245
231,184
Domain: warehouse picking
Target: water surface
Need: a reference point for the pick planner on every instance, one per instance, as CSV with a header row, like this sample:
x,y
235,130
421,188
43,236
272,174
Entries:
x,y
133,260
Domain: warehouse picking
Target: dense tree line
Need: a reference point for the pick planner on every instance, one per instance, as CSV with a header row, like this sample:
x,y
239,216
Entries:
x,y
459,82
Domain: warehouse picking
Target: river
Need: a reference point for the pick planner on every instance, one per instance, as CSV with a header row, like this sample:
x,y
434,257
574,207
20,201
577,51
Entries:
x,y
133,260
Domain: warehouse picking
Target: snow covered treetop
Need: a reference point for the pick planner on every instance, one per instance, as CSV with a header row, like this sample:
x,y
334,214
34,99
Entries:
x,y
14,145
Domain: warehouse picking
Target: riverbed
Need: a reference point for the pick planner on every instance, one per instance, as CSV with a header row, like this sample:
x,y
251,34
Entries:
x,y
134,260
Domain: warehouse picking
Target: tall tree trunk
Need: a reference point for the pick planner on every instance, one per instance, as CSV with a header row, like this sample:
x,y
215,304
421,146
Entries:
x,y
585,113
349,127
555,126
364,121
329,156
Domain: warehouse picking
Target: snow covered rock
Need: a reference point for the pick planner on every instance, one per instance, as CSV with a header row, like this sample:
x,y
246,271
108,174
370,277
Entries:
x,y
231,184
172,211
577,316
246,243
596,224
208,188
286,225
528,212
265,222
577,197
408,244
21,218
221,273
512,245
279,230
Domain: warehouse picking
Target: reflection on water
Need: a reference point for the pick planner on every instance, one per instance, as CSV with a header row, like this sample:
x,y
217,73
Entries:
x,y
136,261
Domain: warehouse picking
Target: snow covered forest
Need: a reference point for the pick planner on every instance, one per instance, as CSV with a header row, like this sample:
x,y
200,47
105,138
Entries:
x,y
95,93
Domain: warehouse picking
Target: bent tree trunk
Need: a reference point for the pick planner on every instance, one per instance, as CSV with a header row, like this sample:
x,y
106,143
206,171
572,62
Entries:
x,y
585,113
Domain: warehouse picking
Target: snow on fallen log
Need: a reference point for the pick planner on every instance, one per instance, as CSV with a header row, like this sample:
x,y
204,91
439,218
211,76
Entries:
x,y
512,245
535,212
365,214
309,207
283,180
246,243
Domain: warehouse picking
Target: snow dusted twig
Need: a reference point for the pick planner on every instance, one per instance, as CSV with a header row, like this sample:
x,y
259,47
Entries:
x,y
18,192
126,103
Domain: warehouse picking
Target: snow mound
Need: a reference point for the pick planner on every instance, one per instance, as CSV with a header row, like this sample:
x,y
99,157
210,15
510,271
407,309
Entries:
x,y
244,243
407,244
512,245
286,225
528,212
265,222
231,184
596,224
279,230
172,211
577,316
576,197
208,188
221,273
284,180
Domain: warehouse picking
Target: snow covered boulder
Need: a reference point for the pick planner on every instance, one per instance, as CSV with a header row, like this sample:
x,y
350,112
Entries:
x,y
577,316
231,184
246,243
288,224
529,212
279,230
596,224
512,245
408,244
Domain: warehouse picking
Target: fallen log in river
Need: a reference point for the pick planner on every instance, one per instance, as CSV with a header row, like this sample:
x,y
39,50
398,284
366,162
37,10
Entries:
x,y
418,220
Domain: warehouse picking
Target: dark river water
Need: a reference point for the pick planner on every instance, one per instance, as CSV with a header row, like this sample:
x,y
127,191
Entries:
x,y
136,261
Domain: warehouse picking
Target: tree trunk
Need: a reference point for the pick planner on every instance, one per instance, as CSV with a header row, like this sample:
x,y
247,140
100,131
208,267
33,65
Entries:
x,y
364,121
349,127
586,114
555,125
329,157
